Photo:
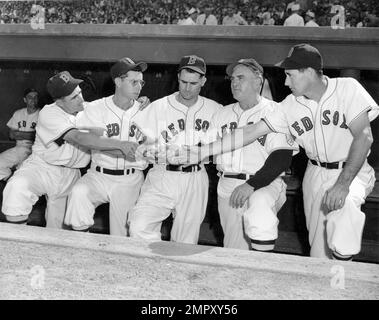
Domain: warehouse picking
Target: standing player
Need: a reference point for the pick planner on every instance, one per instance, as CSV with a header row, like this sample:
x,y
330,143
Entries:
x,y
52,168
250,189
22,129
181,118
111,178
330,119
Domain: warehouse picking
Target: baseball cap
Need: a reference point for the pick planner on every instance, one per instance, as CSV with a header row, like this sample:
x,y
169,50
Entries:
x,y
62,85
249,62
28,90
194,63
192,10
124,65
302,56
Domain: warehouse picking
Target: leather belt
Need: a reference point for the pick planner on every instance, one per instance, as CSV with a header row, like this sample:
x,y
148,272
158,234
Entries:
x,y
115,172
328,165
241,176
191,168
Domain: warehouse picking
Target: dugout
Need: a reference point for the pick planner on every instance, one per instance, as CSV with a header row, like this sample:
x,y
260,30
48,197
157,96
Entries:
x,y
29,57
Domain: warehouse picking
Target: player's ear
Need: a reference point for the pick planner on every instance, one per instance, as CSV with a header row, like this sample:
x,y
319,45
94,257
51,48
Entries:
x,y
24,100
203,81
117,82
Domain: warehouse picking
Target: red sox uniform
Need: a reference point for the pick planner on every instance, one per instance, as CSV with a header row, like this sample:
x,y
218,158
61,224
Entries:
x,y
322,129
51,169
257,219
21,121
111,178
173,188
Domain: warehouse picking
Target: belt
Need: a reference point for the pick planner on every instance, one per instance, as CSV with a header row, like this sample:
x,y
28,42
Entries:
x,y
115,172
191,168
329,165
241,176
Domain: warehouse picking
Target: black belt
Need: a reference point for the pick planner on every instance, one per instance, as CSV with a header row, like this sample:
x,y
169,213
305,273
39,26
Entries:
x,y
241,176
115,172
192,168
328,165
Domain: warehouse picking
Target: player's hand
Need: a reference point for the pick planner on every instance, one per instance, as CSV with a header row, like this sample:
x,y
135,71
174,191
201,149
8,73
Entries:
x,y
240,195
334,198
144,101
185,155
147,152
129,149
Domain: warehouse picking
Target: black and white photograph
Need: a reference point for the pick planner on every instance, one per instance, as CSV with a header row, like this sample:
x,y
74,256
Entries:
x,y
188,157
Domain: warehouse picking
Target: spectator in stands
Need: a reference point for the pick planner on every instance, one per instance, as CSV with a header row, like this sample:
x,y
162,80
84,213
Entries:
x,y
294,20
207,18
191,20
310,19
232,18
22,130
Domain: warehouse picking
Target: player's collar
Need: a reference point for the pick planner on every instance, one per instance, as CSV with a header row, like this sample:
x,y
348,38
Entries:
x,y
331,85
177,105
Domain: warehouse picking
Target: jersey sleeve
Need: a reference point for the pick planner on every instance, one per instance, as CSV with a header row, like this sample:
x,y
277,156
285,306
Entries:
x,y
280,141
53,124
275,118
212,133
13,122
146,121
358,100
91,116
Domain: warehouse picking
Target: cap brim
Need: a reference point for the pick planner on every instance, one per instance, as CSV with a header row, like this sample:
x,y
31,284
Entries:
x,y
140,66
193,68
288,64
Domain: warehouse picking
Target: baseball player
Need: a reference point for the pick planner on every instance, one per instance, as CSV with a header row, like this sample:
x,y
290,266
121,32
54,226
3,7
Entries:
x,y
112,178
181,118
22,129
330,119
250,189
52,168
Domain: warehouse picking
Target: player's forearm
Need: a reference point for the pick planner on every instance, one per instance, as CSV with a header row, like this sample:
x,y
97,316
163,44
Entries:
x,y
22,135
237,139
92,141
357,155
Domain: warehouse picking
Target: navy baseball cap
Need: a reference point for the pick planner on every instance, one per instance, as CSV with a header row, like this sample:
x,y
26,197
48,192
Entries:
x,y
302,56
62,85
124,65
249,62
194,63
28,90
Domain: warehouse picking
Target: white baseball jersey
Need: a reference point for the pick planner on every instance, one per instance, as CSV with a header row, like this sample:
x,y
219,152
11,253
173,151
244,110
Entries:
x,y
164,191
53,123
117,122
23,121
171,122
259,213
320,128
253,156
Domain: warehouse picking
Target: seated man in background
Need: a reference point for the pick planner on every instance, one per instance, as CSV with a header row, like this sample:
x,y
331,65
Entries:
x,y
22,129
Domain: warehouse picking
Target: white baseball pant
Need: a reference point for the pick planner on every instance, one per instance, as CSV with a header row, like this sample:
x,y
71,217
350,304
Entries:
x,y
255,225
185,194
36,178
12,157
338,231
95,188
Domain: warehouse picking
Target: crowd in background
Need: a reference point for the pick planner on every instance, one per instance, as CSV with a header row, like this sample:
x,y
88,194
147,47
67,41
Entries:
x,y
358,13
